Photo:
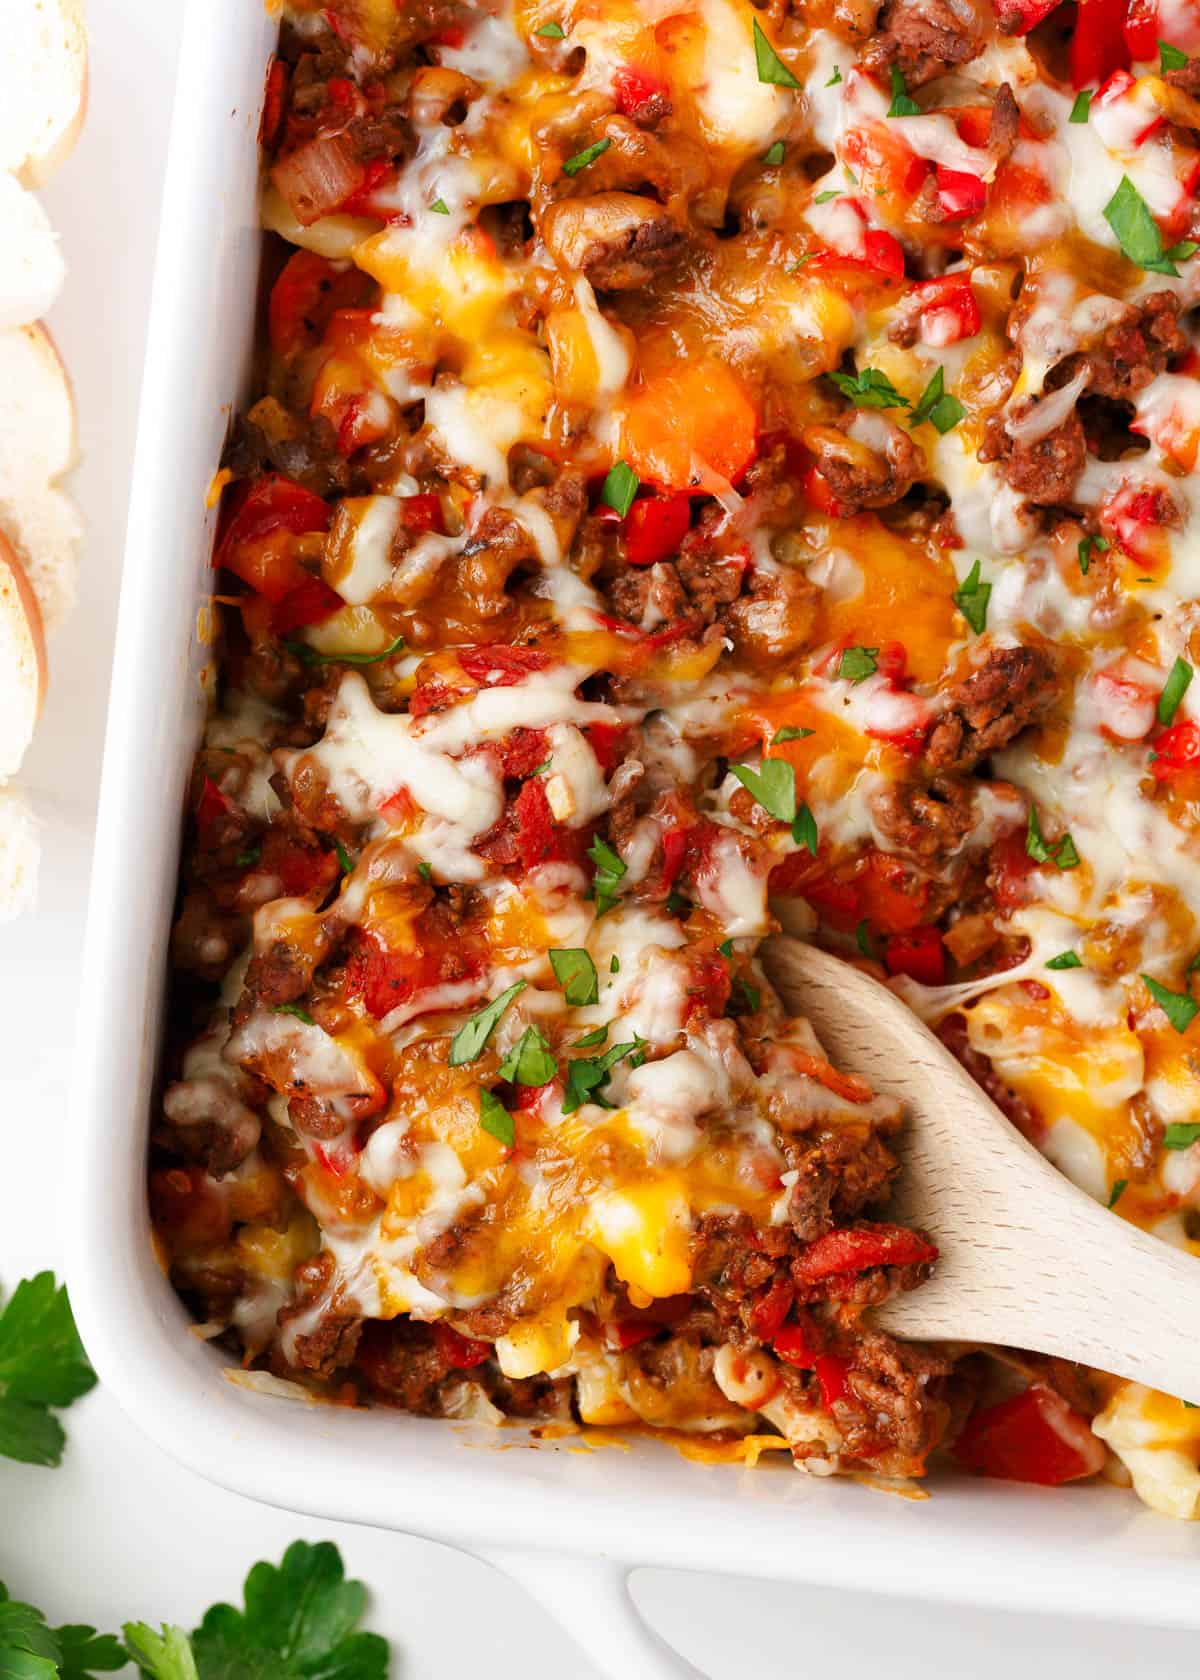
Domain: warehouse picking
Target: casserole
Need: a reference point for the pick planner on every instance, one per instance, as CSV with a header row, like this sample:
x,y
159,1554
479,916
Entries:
x,y
1089,1547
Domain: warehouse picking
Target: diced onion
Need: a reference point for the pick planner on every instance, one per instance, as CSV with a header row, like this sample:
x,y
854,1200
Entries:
x,y
318,177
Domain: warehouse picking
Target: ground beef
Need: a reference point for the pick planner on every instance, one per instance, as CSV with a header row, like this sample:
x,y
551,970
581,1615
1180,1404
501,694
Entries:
x,y
280,974
619,240
400,1363
953,1034
635,258
386,135
775,617
1186,78
923,39
710,581
330,1344
839,1174
862,477
895,1399
1133,351
1043,470
1015,687
927,824
310,457
205,937
648,596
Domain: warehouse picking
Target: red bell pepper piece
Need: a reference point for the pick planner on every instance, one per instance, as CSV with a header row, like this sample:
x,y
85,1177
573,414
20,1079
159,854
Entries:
x,y
272,503
654,527
1176,749
212,808
307,294
1032,1437
819,493
832,1373
959,195
424,513
309,603
1141,30
857,1249
606,741
1097,45
948,310
302,870
493,665
883,251
796,1343
769,1311
628,1332
634,89
270,124
919,954
461,1353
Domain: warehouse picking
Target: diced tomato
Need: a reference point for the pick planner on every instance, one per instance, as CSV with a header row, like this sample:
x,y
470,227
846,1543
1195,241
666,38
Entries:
x,y
959,194
920,954
1176,749
606,741
493,665
309,603
819,492
883,163
452,36
520,753
832,1373
270,124
1011,867
769,1311
797,1343
891,897
674,849
1097,45
384,978
1018,17
461,1353
1032,1437
849,1250
654,528
302,870
258,515
535,823
948,310
892,661
1137,520
709,984
634,89
884,252
376,172
211,811
689,424
424,513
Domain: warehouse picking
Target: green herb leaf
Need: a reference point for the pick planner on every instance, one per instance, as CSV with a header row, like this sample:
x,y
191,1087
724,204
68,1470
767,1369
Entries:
x,y
614,966
1174,689
773,785
789,733
345,861
1118,1190
804,829
1066,959
770,66
41,1356
972,597
726,948
1062,853
297,1010
936,405
495,1118
774,154
588,1075
677,904
299,1621
1136,231
531,1060
835,78
589,154
591,1039
440,207
165,1655
1170,58
425,871
902,105
310,656
827,195
470,1041
750,994
620,487
576,974
606,882
248,858
551,32
869,389
1081,107
857,664
28,1649
1180,1009
1180,253
1182,1134
862,938
1089,546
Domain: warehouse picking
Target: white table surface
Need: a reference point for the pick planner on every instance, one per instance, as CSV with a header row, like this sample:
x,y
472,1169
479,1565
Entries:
x,y
120,1531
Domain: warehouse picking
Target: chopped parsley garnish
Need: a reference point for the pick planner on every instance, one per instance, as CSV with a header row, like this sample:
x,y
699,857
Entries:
x,y
1182,1134
591,1039
470,1041
620,487
1062,853
824,197
345,861
1118,1190
751,994
495,1118
790,733
1066,959
589,154
1081,107
440,207
770,66
248,858
297,1011
425,871
1137,233
576,974
606,882
614,966
804,829
1181,1010
938,406
774,154
869,389
1174,689
1170,58
551,32
540,769
1089,546
677,904
312,656
902,104
773,785
862,938
530,1061
42,1365
726,948
857,664
588,1075
972,597
835,78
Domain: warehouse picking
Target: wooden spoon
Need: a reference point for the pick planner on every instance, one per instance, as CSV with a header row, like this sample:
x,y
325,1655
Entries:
x,y
1027,1259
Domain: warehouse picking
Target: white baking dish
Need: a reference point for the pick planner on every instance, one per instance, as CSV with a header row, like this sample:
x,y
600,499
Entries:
x,y
1089,1549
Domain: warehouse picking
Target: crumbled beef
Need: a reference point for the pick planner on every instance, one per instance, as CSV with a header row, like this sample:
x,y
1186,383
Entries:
x,y
839,1174
859,475
388,134
207,1123
310,455
1186,78
648,596
633,259
330,1343
712,581
925,823
1133,350
618,240
953,1034
923,39
1015,687
894,1399
1042,469
206,937
775,617
401,1364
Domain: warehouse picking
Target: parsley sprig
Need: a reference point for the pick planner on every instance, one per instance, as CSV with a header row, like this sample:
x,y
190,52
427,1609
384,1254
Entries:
x,y
43,1368
1137,233
868,388
972,597
767,62
903,105
1062,853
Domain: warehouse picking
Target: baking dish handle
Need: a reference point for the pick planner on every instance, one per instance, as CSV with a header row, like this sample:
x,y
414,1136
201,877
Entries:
x,y
589,1598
